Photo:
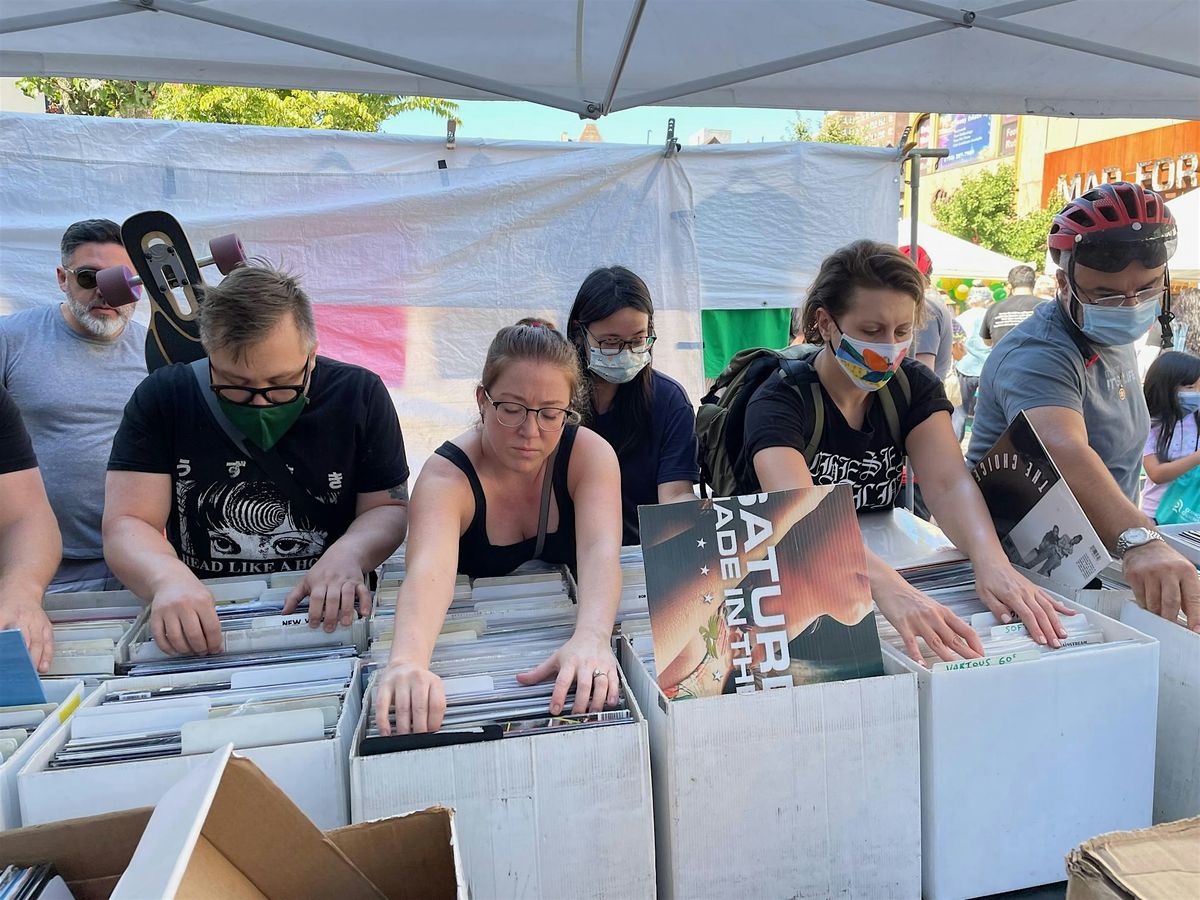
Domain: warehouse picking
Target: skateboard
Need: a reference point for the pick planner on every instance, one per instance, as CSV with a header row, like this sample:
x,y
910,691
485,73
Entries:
x,y
170,272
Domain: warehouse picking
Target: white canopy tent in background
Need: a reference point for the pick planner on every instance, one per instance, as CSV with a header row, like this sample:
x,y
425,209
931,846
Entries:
x,y
593,57
413,267
955,258
1185,264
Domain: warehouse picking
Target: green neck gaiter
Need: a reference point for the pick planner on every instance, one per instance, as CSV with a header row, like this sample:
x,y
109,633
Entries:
x,y
264,425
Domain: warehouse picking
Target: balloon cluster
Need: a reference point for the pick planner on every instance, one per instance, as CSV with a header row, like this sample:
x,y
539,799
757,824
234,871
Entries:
x,y
960,288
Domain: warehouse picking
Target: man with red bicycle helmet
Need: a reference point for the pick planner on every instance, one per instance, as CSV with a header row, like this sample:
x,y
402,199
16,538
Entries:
x,y
1072,369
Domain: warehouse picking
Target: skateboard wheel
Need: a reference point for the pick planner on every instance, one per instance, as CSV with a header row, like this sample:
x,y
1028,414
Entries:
x,y
227,253
117,286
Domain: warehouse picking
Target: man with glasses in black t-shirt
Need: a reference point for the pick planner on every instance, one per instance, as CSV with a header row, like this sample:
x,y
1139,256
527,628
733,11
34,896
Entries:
x,y
264,457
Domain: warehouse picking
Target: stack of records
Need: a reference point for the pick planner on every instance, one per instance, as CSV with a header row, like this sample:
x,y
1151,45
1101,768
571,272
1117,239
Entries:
x,y
633,586
17,723
90,629
141,719
1002,644
32,883
484,700
254,630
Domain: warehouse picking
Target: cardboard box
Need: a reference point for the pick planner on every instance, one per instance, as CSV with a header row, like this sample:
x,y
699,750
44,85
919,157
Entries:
x,y
1020,763
1171,534
1177,754
548,815
1160,862
314,774
226,830
67,695
807,792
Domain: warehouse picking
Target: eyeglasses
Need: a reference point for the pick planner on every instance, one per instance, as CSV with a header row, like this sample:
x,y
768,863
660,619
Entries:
x,y
1149,295
84,277
613,347
549,418
276,395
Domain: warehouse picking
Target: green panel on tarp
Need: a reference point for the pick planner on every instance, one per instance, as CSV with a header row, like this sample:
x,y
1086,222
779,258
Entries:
x,y
726,331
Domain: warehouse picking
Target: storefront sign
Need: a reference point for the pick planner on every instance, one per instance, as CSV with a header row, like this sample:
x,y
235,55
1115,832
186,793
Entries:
x,y
1166,160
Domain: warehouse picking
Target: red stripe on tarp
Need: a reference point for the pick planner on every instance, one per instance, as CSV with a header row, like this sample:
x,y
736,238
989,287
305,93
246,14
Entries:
x,y
374,337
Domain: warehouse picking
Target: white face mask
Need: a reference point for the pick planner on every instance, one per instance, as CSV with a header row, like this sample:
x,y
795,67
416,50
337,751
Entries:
x,y
618,369
869,365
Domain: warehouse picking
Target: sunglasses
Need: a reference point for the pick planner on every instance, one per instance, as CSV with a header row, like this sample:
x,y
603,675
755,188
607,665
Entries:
x,y
84,277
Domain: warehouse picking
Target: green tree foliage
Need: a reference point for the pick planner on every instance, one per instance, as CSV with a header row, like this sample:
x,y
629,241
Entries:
x,y
230,105
983,210
833,130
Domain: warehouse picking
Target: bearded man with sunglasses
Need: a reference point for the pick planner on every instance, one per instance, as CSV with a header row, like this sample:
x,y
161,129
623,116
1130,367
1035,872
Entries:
x,y
264,457
1072,368
71,367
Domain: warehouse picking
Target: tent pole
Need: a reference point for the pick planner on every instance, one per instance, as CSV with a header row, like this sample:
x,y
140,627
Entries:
x,y
15,24
635,19
989,20
350,51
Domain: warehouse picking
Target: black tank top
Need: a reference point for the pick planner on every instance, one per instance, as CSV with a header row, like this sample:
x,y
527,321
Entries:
x,y
478,557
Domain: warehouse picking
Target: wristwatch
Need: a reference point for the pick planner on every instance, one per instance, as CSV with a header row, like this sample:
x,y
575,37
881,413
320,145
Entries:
x,y
1135,537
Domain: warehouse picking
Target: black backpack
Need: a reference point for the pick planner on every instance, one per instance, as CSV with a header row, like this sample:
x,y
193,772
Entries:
x,y
721,419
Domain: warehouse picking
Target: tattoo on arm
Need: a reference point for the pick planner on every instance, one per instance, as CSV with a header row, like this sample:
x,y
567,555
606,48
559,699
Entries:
x,y
399,492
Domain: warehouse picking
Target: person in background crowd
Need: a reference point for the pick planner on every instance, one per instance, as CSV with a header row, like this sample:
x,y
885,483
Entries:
x,y
1045,288
1006,315
497,496
1071,368
30,545
933,344
71,367
976,352
863,310
1173,448
644,414
1187,321
262,458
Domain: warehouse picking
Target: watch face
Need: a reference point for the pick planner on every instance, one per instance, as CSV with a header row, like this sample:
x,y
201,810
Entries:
x,y
1136,536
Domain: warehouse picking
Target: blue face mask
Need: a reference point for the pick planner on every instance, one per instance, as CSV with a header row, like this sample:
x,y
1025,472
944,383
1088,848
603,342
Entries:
x,y
1115,326
618,369
1189,402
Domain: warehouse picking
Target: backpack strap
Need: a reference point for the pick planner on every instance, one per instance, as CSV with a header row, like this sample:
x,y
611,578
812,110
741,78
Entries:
x,y
894,411
790,369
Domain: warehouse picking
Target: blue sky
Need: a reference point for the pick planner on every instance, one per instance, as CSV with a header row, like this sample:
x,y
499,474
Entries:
x,y
512,120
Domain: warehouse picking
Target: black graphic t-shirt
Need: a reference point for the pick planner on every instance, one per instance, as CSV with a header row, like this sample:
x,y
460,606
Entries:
x,y
227,517
779,416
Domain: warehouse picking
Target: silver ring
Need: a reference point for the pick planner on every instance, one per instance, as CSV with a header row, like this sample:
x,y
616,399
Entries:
x,y
599,673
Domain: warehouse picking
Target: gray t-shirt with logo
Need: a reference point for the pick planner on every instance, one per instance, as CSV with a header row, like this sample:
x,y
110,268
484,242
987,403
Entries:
x,y
72,393
1040,364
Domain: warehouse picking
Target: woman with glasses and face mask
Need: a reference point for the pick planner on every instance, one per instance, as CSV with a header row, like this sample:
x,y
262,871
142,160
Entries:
x,y
478,509
645,415
862,311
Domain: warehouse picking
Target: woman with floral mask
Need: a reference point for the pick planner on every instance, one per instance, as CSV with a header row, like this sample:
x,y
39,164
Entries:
x,y
1173,448
862,311
505,492
646,416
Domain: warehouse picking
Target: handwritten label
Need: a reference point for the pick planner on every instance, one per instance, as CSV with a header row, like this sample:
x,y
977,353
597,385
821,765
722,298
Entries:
x,y
986,662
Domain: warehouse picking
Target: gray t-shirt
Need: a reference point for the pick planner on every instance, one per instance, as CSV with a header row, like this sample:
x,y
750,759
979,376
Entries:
x,y
1040,364
72,393
936,336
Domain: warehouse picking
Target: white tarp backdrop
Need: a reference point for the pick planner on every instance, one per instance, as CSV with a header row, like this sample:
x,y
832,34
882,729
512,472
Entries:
x,y
1045,57
413,267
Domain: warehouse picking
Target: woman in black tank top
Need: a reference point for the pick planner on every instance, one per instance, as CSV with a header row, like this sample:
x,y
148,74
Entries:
x,y
500,495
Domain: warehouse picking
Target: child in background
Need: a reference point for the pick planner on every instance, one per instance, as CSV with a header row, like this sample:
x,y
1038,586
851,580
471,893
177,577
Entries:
x,y
1173,448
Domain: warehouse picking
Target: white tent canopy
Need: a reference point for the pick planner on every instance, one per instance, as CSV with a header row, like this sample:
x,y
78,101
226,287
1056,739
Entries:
x,y
955,258
1045,57
1186,261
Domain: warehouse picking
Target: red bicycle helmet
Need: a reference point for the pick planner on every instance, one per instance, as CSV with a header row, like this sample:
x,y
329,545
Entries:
x,y
924,263
1113,225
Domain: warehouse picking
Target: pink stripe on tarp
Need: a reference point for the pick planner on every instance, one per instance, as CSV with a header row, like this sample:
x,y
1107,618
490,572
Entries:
x,y
374,337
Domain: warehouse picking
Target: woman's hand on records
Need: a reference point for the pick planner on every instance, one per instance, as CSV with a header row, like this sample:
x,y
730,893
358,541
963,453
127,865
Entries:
x,y
22,610
1010,595
916,615
586,661
416,693
183,620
